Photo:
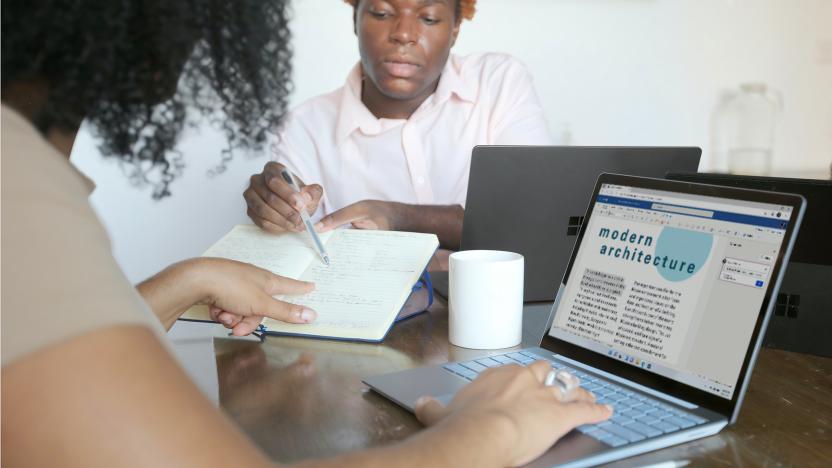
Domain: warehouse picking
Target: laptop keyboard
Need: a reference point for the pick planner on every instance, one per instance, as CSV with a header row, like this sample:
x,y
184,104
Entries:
x,y
636,417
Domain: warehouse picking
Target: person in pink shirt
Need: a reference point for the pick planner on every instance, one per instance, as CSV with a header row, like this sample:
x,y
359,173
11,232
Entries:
x,y
391,149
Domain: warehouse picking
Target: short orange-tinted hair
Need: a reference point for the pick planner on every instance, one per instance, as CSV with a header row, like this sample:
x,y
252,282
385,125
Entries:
x,y
467,8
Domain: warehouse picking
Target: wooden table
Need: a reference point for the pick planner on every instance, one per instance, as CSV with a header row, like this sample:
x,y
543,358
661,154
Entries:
x,y
302,398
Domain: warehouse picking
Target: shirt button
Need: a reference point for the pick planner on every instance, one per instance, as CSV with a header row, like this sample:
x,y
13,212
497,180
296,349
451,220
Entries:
x,y
420,180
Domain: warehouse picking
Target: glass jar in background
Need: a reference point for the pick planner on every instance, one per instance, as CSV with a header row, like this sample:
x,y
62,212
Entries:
x,y
746,124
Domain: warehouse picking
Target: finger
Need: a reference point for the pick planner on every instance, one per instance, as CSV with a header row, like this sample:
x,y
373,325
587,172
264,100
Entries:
x,y
576,394
366,224
271,227
312,196
284,208
579,412
263,224
228,319
582,395
540,369
279,209
276,284
285,312
222,317
259,210
246,326
273,177
213,312
429,410
345,215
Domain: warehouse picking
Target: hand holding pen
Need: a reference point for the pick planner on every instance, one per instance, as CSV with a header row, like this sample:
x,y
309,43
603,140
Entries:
x,y
274,205
316,241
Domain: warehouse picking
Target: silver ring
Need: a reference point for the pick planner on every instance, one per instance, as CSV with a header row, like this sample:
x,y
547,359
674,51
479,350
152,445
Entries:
x,y
565,381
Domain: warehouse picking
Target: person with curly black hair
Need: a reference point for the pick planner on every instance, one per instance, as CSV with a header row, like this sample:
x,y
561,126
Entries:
x,y
87,379
391,149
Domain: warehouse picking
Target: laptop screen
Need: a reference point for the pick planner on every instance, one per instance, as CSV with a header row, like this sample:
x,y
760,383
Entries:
x,y
671,282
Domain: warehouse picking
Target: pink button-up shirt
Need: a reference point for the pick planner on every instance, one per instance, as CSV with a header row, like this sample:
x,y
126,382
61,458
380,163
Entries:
x,y
335,141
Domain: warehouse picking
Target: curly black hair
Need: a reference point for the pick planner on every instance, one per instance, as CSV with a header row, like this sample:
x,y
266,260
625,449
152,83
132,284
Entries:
x,y
137,69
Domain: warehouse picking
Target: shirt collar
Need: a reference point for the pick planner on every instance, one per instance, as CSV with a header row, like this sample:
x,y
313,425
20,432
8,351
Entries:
x,y
451,83
354,115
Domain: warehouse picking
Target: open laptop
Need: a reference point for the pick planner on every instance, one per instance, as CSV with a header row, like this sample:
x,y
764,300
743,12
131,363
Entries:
x,y
531,200
660,313
802,319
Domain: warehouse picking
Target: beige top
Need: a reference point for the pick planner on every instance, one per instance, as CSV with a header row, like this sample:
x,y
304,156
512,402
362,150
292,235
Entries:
x,y
59,278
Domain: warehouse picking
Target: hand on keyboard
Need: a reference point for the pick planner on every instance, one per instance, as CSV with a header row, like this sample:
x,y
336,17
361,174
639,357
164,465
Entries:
x,y
509,405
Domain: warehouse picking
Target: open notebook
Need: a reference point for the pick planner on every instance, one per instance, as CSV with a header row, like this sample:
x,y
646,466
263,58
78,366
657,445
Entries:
x,y
357,297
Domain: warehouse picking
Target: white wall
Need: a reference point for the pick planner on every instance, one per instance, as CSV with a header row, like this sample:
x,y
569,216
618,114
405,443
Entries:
x,y
617,72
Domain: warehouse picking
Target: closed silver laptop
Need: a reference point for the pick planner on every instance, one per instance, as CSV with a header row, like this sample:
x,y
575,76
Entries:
x,y
660,313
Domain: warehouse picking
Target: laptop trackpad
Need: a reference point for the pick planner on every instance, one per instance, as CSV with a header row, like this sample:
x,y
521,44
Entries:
x,y
407,386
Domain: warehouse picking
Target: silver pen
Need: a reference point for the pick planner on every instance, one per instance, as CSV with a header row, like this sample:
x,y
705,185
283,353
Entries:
x,y
304,216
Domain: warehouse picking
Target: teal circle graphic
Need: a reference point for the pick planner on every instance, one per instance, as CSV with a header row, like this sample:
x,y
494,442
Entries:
x,y
682,245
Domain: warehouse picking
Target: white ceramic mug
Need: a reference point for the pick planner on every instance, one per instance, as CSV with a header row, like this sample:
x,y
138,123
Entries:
x,y
485,299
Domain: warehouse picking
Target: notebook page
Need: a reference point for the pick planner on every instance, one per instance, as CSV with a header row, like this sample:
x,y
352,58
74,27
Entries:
x,y
360,293
287,254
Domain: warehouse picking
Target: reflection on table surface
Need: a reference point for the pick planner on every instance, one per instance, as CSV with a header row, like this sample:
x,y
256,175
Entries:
x,y
299,398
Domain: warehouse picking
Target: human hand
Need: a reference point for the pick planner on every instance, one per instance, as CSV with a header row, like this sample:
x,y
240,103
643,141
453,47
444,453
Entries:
x,y
274,205
240,295
366,214
513,399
